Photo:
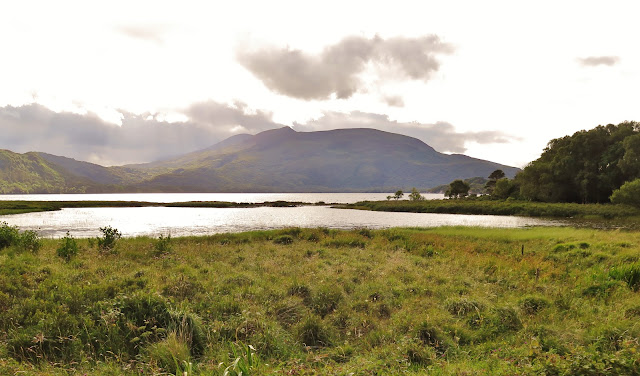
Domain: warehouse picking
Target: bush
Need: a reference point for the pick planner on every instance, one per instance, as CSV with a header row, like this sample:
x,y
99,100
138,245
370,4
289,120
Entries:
x,y
68,247
627,194
9,235
163,245
109,238
29,241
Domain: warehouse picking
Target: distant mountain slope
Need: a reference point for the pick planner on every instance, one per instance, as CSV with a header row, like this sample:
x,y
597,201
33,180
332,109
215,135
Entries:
x,y
95,172
31,173
278,160
338,160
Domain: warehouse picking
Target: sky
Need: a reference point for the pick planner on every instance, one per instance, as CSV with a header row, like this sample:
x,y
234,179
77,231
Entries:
x,y
135,81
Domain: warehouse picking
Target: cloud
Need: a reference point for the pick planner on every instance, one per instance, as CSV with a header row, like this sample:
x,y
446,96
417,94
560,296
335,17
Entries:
x,y
442,136
338,68
150,33
141,138
393,100
593,61
144,138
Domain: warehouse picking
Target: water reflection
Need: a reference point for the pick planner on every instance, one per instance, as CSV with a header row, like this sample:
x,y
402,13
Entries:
x,y
85,222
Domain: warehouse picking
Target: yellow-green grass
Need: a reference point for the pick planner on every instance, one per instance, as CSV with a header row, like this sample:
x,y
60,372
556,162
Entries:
x,y
443,301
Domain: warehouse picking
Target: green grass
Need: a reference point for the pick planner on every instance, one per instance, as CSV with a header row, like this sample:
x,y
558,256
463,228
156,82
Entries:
x,y
502,207
443,301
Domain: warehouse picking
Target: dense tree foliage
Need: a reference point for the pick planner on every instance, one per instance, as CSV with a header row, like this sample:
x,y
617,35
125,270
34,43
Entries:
x,y
585,167
458,188
493,178
628,194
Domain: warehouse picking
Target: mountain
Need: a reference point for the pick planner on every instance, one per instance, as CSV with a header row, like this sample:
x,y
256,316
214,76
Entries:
x,y
278,160
339,160
31,173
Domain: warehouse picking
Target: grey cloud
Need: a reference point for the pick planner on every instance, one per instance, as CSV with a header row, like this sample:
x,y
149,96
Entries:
x,y
593,61
393,100
141,138
442,136
337,69
152,33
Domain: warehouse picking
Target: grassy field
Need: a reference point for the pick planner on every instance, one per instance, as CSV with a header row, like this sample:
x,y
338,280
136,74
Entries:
x,y
502,207
443,301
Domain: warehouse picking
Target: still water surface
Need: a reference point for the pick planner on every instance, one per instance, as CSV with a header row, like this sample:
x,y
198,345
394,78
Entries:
x,y
153,221
334,198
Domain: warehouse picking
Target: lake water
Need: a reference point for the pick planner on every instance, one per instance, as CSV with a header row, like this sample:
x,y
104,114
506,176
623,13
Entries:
x,y
153,221
337,198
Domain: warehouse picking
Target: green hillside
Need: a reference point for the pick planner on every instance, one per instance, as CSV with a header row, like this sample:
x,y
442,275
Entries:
x,y
278,160
31,173
339,160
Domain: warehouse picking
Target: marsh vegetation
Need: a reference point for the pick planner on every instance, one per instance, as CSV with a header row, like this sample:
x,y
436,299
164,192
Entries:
x,y
447,300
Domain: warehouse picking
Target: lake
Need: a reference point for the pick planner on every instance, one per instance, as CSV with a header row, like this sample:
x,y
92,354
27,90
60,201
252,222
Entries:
x,y
153,221
334,198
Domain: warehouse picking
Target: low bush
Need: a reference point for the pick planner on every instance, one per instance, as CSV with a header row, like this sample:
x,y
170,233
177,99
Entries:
x,y
68,247
109,238
29,240
163,245
9,235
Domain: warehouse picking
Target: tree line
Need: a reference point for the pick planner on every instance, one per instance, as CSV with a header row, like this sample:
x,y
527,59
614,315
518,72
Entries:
x,y
591,166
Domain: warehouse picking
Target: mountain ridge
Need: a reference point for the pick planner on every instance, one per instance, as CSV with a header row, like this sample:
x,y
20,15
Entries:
x,y
276,160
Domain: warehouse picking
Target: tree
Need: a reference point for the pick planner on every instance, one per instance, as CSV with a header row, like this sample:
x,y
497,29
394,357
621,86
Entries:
x,y
584,167
628,194
493,178
398,194
458,188
415,195
504,188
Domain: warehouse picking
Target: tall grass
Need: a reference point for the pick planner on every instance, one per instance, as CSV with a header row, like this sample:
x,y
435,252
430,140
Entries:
x,y
525,301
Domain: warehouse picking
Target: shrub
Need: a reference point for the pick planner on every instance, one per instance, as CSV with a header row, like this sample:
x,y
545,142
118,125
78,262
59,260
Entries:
x,y
29,241
628,194
109,238
68,247
9,235
163,245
